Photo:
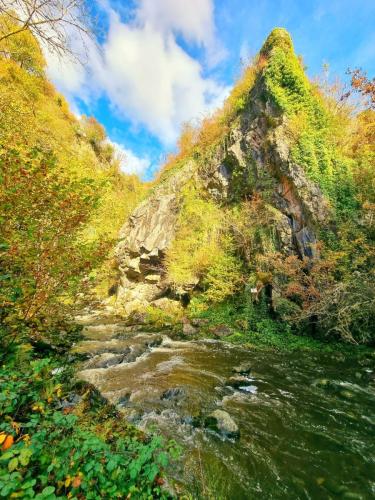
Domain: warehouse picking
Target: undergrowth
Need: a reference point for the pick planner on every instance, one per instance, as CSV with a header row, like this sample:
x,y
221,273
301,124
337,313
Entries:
x,y
254,327
61,439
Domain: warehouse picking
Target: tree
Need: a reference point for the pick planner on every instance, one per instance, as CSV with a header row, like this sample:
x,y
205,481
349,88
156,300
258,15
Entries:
x,y
55,23
363,85
23,48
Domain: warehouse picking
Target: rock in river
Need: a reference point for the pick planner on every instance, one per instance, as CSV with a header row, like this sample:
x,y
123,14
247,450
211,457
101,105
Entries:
x,y
243,368
238,381
220,421
174,393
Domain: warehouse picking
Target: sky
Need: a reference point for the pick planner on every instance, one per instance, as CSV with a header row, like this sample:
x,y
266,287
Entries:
x,y
159,63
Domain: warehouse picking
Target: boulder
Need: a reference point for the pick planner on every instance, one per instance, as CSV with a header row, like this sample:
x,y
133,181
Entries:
x,y
220,421
188,329
221,331
238,381
244,368
173,393
199,321
124,400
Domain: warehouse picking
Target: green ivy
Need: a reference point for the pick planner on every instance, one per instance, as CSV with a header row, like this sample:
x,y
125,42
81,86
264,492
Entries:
x,y
289,88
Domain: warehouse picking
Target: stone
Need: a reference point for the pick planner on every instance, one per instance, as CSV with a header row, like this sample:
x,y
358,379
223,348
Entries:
x,y
238,381
70,402
221,330
188,329
137,318
244,368
152,278
199,322
124,400
220,421
173,393
57,371
107,359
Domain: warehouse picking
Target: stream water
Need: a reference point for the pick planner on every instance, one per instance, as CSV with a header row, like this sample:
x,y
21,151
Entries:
x,y
306,421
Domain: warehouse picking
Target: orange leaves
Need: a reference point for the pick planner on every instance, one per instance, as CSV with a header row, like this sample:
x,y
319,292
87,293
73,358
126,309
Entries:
x,y
74,482
159,481
364,85
6,441
68,410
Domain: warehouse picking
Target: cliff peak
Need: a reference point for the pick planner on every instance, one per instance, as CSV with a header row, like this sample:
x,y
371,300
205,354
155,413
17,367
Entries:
x,y
278,38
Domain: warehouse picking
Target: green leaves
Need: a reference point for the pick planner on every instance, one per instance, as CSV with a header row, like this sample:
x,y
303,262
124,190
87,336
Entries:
x,y
24,457
55,454
13,464
47,493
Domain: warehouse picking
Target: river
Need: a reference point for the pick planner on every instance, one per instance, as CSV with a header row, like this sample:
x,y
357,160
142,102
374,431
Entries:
x,y
306,420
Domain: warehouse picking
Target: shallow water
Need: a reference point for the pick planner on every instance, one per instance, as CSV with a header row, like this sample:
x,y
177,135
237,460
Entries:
x,y
306,421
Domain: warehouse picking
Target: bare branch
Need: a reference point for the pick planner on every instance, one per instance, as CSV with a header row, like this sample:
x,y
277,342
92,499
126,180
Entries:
x,y
55,23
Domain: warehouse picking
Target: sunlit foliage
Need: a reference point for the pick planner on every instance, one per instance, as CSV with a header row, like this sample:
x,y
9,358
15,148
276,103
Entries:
x,y
63,197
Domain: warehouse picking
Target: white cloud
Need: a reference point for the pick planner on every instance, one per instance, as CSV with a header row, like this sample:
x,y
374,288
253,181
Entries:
x,y
68,75
192,19
151,80
130,163
146,75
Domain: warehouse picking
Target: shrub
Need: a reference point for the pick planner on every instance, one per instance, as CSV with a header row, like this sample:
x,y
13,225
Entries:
x,y
223,278
197,239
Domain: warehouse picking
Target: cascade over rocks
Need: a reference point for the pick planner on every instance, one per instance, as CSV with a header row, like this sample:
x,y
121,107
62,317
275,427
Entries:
x,y
255,156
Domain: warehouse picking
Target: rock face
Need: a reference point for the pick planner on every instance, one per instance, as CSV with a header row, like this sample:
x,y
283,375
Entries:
x,y
143,241
255,156
263,152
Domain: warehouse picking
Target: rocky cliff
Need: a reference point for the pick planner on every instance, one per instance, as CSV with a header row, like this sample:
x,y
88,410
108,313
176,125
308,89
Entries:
x,y
254,156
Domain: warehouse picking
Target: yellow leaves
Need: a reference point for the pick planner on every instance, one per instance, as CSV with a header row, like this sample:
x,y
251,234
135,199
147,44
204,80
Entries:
x,y
264,277
51,392
26,439
13,464
16,426
197,238
38,408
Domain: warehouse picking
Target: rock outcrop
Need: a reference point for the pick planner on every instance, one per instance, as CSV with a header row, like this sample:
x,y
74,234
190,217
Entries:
x,y
255,156
143,242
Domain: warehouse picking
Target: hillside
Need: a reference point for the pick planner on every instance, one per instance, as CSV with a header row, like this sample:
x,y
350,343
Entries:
x,y
62,193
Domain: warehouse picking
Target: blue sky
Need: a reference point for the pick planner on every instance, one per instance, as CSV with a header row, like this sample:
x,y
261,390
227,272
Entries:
x,y
159,63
